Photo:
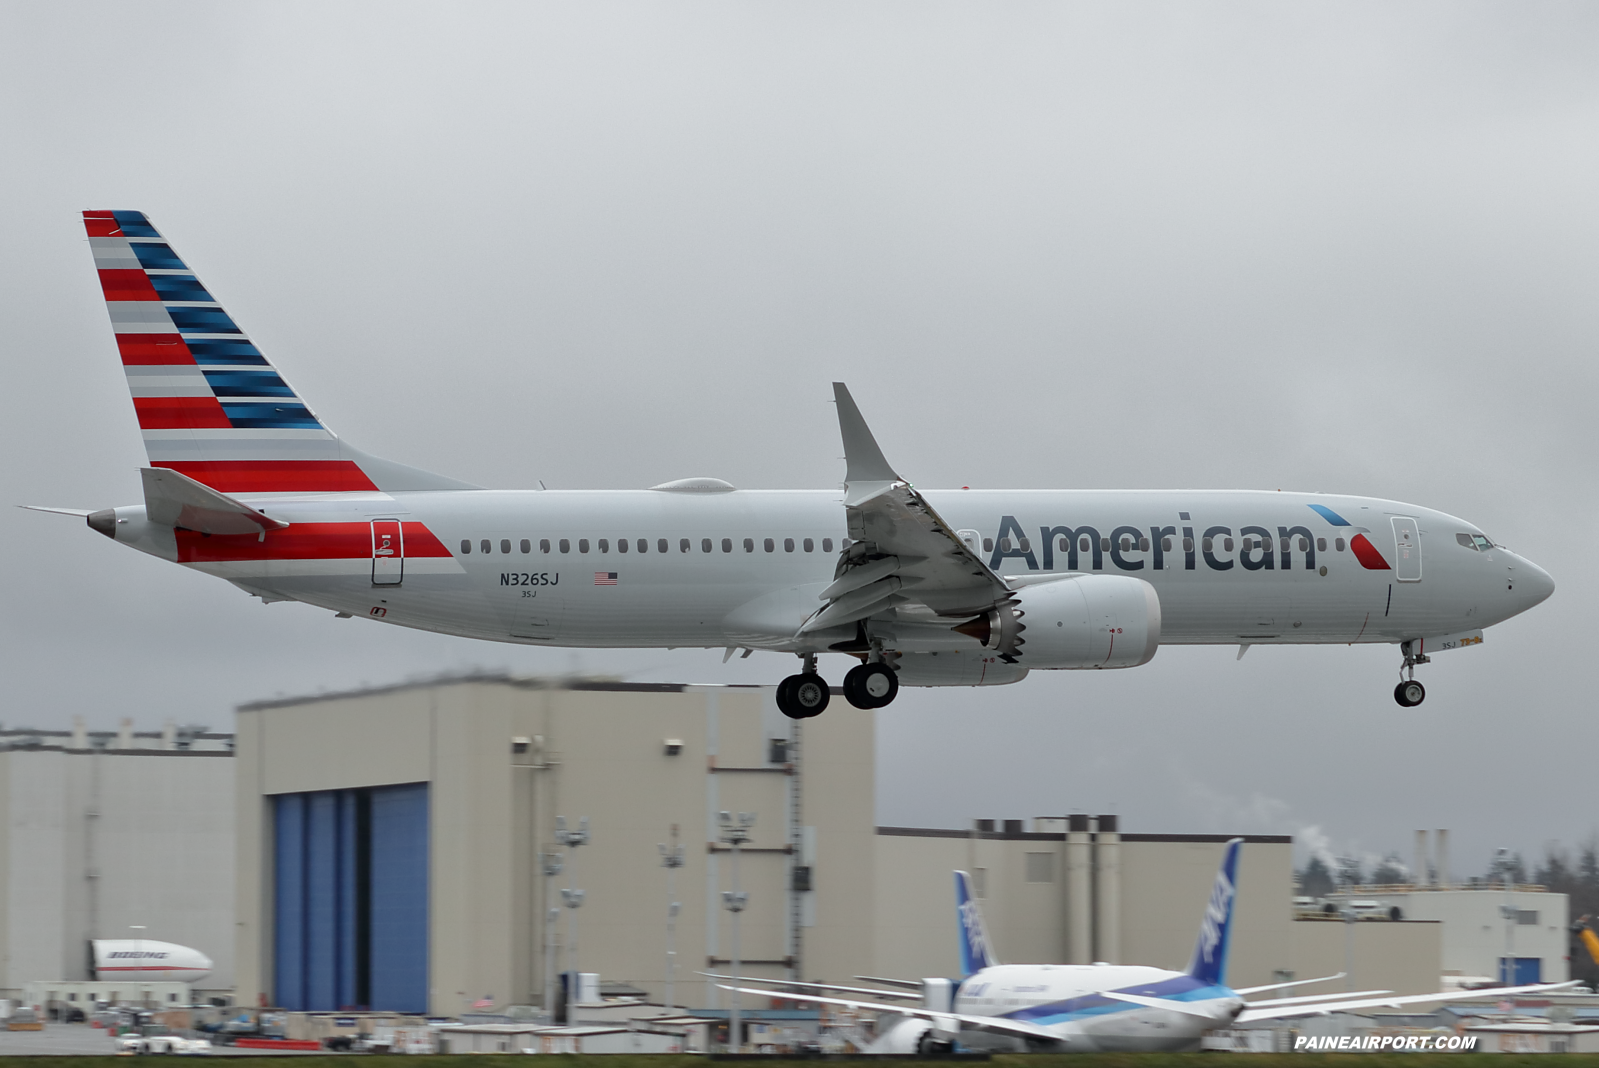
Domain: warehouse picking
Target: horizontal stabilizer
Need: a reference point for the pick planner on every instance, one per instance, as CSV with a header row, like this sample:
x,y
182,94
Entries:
x,y
81,513
176,500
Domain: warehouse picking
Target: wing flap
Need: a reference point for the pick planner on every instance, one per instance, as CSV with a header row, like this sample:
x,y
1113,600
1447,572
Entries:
x,y
998,1025
1323,1008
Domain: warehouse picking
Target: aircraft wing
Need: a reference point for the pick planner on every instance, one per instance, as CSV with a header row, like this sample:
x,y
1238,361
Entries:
x,y
1285,986
900,994
998,1025
902,551
1190,1007
1283,1011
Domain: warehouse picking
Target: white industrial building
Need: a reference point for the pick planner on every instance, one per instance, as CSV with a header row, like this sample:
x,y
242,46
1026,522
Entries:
x,y
390,844
114,834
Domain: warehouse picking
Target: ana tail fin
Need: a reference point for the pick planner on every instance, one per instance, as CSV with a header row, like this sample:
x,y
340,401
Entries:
x,y
976,949
209,404
1215,929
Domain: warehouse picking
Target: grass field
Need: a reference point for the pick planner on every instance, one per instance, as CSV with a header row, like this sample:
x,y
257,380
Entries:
x,y
1041,1060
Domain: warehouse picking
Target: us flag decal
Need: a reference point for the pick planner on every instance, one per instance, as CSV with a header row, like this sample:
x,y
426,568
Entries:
x,y
605,578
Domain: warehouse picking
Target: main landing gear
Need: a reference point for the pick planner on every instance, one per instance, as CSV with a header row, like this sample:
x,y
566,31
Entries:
x,y
805,695
1410,693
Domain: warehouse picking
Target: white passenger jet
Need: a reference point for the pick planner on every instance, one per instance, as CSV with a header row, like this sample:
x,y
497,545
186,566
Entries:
x,y
1072,1008
922,587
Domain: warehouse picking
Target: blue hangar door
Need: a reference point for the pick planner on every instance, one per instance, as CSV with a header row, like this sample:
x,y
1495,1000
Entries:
x,y
350,903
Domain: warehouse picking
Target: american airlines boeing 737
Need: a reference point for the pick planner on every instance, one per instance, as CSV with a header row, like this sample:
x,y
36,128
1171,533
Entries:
x,y
921,587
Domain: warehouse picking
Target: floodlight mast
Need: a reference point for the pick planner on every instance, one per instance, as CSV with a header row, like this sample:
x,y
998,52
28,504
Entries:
x,y
572,898
553,863
671,860
735,832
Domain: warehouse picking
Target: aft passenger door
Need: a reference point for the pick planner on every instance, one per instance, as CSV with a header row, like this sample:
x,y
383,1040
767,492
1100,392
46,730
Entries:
x,y
388,553
1407,550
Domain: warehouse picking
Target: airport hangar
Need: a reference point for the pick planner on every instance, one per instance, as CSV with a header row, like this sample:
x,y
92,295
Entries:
x,y
390,842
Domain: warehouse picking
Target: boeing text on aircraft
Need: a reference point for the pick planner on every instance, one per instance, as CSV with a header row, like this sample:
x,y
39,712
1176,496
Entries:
x,y
918,587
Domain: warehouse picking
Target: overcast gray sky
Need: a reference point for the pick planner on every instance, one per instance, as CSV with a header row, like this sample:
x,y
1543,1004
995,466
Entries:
x,y
1344,247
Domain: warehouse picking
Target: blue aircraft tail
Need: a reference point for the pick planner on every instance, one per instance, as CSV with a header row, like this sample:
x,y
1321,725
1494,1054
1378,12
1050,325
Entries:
x,y
1210,952
976,950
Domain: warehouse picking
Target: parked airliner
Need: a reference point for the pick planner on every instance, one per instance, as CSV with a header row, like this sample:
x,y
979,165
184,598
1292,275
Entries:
x,y
922,587
1071,1008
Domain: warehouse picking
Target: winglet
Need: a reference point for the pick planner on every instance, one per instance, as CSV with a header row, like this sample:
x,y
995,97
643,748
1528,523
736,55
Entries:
x,y
863,460
1210,951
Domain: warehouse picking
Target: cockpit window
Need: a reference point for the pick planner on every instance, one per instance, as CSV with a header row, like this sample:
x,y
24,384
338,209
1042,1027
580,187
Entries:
x,y
1465,539
1483,544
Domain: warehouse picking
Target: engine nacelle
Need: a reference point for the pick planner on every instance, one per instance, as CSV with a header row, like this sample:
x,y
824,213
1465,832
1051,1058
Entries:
x,y
1088,621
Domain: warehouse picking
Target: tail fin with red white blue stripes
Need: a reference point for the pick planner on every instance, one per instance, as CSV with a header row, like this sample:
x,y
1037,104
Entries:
x,y
209,404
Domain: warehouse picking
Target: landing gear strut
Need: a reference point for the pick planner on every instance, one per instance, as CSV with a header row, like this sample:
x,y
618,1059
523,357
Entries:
x,y
1410,693
804,695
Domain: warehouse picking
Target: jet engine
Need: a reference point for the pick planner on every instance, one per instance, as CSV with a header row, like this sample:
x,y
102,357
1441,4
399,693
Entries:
x,y
1084,621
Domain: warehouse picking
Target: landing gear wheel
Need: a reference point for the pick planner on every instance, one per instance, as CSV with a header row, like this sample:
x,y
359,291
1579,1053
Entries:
x,y
871,685
1410,694
802,696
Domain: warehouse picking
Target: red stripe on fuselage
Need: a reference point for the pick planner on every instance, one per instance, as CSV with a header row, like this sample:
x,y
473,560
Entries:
x,y
274,476
303,541
153,350
127,285
180,413
1367,554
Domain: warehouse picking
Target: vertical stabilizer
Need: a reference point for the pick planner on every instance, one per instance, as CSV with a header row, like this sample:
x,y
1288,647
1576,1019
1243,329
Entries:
x,y
976,949
209,404
1215,929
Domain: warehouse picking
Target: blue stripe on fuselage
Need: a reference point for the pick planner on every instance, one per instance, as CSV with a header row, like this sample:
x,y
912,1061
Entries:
x,y
1177,988
1329,515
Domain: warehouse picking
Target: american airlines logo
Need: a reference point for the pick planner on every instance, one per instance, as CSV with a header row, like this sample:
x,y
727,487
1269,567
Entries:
x,y
1221,897
137,954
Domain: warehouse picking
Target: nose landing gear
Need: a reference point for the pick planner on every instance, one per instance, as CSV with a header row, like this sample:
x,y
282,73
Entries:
x,y
1410,693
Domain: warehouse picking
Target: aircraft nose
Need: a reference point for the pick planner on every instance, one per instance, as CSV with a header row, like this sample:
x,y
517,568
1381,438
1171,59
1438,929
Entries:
x,y
1529,584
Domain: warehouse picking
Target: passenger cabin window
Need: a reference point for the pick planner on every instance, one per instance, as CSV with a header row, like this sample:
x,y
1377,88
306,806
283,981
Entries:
x,y
526,546
621,545
1004,545
566,546
644,545
1188,545
605,545
582,545
808,545
1227,545
1143,545
705,545
1321,545
544,545
1210,543
988,545
1165,545
769,545
827,545
466,547
749,545
1104,545
727,545
788,545
1338,543
1304,545
505,545
1084,544
683,545
1026,546
484,545
1127,543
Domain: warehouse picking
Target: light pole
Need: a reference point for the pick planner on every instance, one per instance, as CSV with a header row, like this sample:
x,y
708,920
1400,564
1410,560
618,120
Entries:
x,y
1507,973
735,832
572,898
671,860
553,863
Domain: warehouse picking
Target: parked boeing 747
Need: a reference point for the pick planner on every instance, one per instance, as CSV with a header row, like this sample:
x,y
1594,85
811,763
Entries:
x,y
922,587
